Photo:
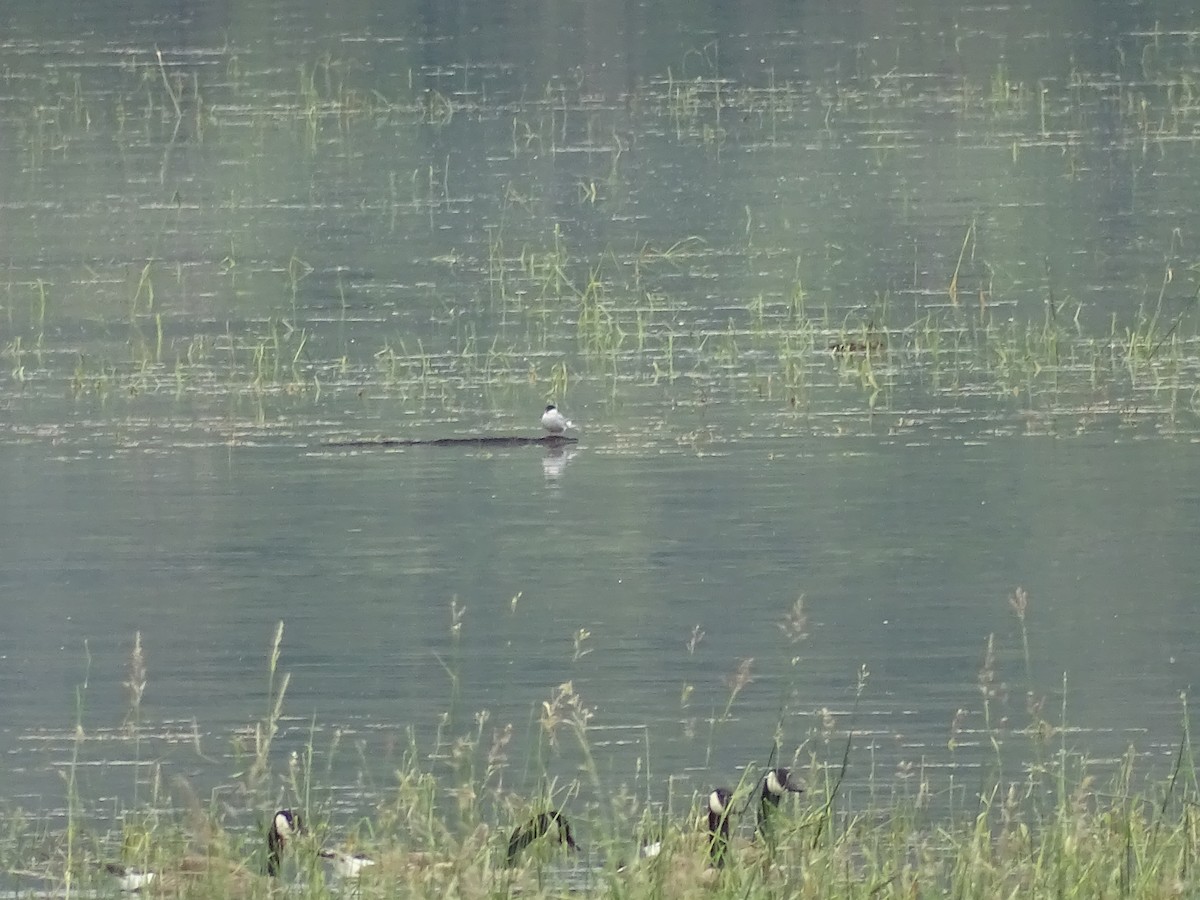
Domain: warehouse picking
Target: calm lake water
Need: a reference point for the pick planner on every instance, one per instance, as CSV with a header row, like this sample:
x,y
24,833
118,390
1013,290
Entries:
x,y
237,246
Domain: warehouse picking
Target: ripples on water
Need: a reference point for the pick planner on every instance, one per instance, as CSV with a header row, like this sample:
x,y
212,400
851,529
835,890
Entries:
x,y
818,320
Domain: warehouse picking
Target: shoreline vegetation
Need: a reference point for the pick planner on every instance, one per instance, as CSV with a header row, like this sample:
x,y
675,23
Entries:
x,y
1047,822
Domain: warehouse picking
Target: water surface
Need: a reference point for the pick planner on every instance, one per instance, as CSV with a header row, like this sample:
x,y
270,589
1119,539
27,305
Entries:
x,y
293,231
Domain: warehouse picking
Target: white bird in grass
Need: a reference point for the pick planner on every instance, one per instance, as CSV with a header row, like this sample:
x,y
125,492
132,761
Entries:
x,y
554,421
347,865
233,877
697,857
552,826
392,863
692,862
130,879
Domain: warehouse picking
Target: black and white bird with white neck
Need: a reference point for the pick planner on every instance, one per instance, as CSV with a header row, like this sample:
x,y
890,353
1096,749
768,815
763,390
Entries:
x,y
777,782
554,421
702,862
702,855
774,784
234,877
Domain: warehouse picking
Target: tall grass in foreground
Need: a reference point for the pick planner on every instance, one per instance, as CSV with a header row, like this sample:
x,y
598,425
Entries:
x,y
1042,822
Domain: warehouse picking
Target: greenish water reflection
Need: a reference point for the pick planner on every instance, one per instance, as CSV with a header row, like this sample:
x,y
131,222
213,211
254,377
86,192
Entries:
x,y
290,231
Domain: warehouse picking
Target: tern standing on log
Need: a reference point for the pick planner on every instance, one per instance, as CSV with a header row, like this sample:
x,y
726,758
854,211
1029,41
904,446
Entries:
x,y
554,421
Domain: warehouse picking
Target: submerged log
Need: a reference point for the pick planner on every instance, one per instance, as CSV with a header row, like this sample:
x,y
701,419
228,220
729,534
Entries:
x,y
547,440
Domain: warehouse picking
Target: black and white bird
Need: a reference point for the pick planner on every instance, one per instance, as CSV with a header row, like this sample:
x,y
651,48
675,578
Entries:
x,y
554,421
698,857
774,784
397,862
772,787
347,864
233,877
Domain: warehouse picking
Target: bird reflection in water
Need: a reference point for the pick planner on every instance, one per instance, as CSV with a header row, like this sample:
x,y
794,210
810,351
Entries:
x,y
555,462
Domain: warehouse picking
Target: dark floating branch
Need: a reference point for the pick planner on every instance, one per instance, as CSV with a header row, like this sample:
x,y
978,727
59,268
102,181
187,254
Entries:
x,y
549,440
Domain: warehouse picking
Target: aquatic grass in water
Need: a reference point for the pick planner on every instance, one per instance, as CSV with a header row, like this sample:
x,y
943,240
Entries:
x,y
1019,811
256,308
638,322
1057,362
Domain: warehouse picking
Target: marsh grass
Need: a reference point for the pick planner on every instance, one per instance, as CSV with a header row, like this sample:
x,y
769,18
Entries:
x,y
615,326
1020,812
634,321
